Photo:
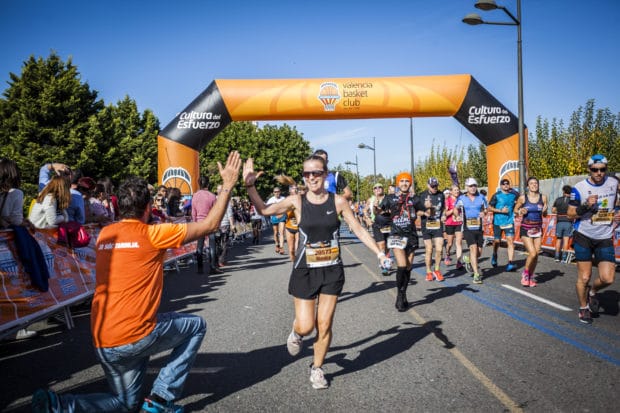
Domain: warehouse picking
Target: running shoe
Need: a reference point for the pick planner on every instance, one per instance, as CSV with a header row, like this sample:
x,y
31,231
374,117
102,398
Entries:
x,y
532,281
459,265
556,258
385,273
477,278
438,275
593,302
429,276
585,316
294,343
511,267
494,260
317,378
467,262
151,406
447,261
525,279
44,401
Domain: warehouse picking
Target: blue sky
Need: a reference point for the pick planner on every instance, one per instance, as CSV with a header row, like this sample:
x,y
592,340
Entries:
x,y
164,53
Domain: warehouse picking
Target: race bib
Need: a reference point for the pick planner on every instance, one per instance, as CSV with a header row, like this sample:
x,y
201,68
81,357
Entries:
x,y
603,217
385,229
322,254
534,232
397,242
433,224
473,223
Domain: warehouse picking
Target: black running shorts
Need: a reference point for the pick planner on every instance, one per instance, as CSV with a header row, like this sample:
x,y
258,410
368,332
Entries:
x,y
308,283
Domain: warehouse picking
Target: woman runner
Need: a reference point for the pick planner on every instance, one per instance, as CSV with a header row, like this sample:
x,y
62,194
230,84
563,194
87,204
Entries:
x,y
317,277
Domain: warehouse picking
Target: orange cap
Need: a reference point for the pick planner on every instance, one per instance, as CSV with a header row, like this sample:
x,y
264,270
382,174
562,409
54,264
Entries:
x,y
403,175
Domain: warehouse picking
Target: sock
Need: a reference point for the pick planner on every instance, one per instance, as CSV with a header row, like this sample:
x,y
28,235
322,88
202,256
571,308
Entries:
x,y
436,267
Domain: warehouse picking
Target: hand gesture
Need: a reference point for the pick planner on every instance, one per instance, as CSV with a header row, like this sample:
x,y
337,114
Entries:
x,y
230,172
249,176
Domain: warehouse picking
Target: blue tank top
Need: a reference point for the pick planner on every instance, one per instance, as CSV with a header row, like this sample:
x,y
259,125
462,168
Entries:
x,y
534,216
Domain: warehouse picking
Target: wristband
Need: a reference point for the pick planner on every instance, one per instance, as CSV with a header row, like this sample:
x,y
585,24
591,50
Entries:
x,y
582,209
381,254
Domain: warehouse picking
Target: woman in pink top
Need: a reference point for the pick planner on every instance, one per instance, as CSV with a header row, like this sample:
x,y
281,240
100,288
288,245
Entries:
x,y
454,227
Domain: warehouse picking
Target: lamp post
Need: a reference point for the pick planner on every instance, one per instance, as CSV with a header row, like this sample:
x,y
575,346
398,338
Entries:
x,y
374,158
411,143
357,178
475,19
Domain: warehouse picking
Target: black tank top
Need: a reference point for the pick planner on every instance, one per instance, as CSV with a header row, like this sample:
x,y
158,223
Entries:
x,y
318,229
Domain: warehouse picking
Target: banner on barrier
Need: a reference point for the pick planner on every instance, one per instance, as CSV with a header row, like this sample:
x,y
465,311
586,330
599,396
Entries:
x,y
72,276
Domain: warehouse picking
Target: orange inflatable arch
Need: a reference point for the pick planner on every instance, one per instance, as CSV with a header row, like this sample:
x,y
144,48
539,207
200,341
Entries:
x,y
224,101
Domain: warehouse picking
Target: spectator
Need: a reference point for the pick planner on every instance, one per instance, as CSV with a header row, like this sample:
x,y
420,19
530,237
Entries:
x,y
12,209
564,225
76,210
174,202
112,198
126,327
228,222
202,202
50,169
100,207
50,207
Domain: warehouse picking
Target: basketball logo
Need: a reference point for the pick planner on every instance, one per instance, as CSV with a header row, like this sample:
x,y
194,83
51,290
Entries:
x,y
177,177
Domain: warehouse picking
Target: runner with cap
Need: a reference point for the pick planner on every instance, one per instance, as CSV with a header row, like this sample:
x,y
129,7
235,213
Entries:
x,y
474,207
595,206
381,221
403,239
502,205
430,210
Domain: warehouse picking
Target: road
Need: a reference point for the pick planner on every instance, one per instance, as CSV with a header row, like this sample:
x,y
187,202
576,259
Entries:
x,y
461,347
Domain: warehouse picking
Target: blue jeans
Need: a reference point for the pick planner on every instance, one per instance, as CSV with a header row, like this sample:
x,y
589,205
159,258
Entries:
x,y
125,366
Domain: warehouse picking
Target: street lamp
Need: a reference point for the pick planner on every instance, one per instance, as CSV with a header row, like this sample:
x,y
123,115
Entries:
x,y
357,178
475,19
374,158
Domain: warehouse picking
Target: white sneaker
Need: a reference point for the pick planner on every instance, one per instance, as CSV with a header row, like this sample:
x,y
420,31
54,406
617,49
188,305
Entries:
x,y
24,334
317,378
294,343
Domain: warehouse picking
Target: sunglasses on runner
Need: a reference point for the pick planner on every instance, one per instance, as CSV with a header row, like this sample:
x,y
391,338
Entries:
x,y
603,169
314,174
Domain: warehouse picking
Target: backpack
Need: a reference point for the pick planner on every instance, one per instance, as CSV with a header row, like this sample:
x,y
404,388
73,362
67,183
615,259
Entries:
x,y
73,234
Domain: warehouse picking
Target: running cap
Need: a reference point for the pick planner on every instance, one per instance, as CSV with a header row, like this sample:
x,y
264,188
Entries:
x,y
433,181
377,185
470,182
403,175
598,158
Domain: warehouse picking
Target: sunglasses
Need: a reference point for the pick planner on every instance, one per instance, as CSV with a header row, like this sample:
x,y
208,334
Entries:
x,y
314,174
604,169
378,187
505,183
473,185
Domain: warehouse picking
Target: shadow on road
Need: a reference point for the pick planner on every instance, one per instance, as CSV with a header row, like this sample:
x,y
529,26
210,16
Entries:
x,y
398,339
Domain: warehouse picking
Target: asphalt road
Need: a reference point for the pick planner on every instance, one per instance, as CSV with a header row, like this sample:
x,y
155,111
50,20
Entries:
x,y
461,347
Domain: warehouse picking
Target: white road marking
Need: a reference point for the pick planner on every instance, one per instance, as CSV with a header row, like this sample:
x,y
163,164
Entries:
x,y
535,297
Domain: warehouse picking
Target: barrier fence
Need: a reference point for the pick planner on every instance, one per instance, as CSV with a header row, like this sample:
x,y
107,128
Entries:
x,y
72,278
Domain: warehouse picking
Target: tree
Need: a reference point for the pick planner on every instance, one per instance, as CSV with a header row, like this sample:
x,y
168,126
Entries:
x,y
49,115
558,151
44,116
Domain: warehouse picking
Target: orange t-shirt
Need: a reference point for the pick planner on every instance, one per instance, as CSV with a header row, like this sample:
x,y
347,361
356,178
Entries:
x,y
130,277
